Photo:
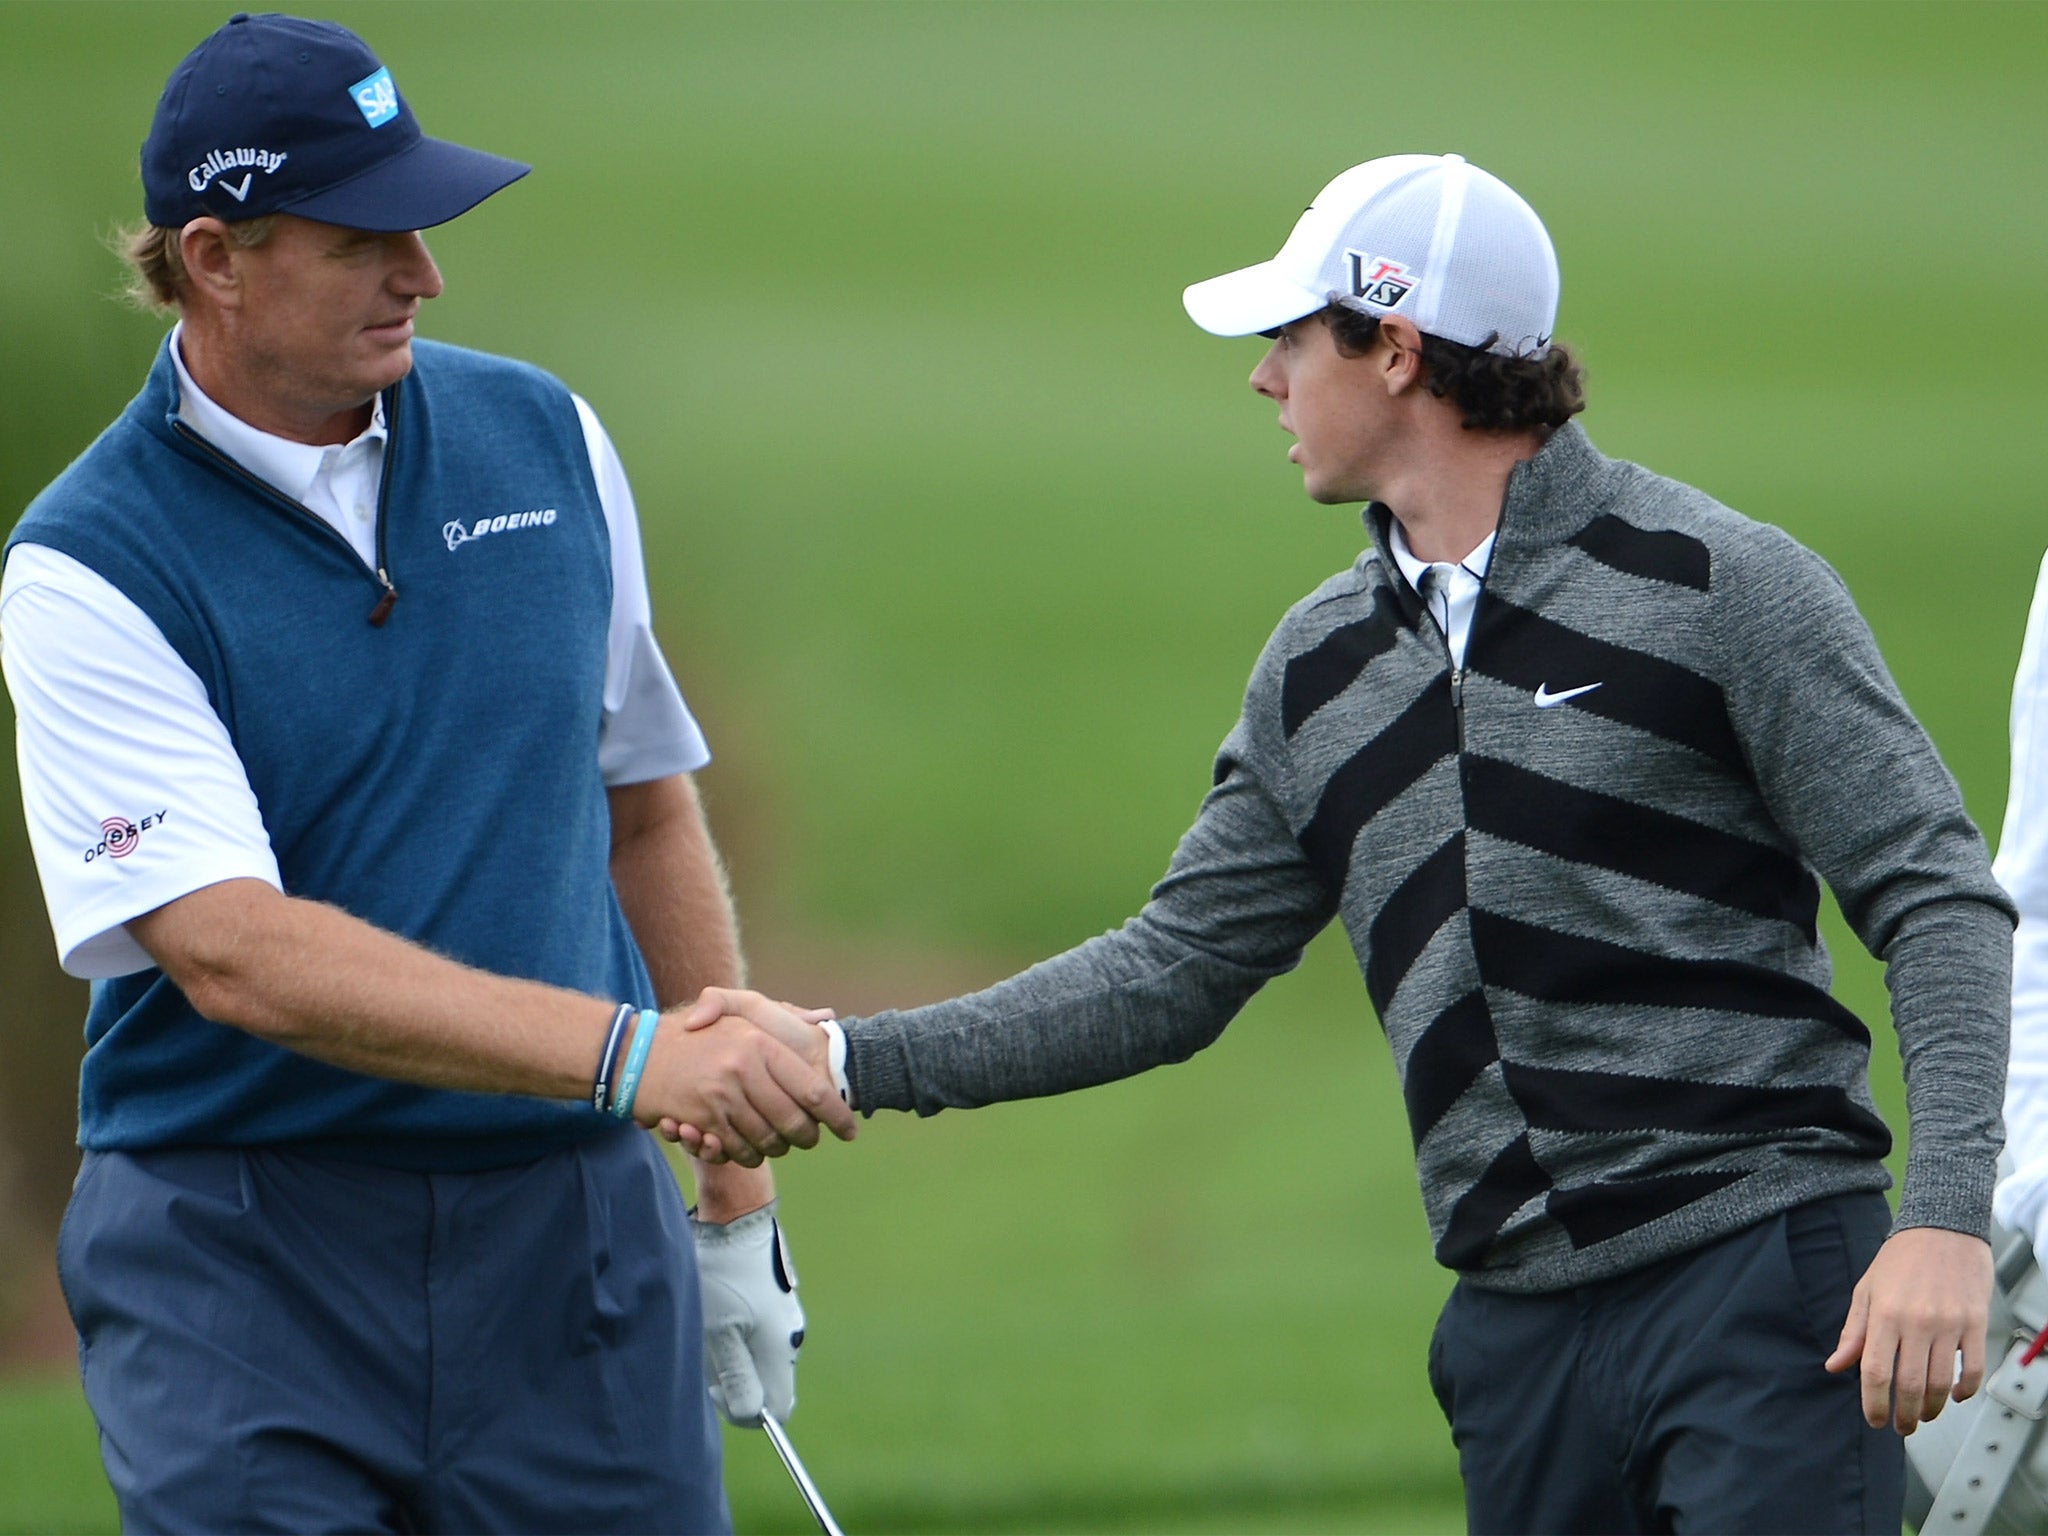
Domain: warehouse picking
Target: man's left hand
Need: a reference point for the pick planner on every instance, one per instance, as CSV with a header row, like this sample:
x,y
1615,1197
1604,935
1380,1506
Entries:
x,y
1925,1297
752,1320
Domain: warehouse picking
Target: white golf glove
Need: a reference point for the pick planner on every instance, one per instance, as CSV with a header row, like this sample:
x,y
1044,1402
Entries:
x,y
752,1320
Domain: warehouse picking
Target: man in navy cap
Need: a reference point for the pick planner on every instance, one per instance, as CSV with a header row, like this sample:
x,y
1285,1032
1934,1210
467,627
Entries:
x,y
361,791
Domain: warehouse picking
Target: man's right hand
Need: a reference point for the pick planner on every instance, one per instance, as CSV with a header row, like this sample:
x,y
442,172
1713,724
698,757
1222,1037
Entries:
x,y
739,1082
793,1029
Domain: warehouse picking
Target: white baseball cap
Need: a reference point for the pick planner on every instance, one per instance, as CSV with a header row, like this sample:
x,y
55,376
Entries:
x,y
1427,236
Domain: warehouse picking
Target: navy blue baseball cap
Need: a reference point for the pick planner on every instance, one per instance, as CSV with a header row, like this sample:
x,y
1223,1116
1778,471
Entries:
x,y
275,114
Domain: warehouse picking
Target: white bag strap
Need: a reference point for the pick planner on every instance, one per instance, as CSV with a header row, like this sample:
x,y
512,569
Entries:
x,y
1999,1440
2002,1432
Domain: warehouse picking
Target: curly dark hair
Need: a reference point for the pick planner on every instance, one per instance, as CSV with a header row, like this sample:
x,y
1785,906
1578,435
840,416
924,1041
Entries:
x,y
1496,393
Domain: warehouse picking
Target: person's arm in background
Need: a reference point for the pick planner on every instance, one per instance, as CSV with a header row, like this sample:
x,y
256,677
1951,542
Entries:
x,y
2021,1201
672,889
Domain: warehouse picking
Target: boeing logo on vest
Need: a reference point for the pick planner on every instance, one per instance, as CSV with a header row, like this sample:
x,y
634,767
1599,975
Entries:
x,y
458,534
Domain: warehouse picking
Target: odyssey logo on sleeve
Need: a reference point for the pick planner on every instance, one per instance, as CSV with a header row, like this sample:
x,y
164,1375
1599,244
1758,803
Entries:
x,y
459,533
219,162
376,97
119,835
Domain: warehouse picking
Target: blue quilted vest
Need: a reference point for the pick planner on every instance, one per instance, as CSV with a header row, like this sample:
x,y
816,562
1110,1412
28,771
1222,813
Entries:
x,y
427,762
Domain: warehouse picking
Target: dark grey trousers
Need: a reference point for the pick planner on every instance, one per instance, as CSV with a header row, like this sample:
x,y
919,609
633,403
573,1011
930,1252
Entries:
x,y
1687,1396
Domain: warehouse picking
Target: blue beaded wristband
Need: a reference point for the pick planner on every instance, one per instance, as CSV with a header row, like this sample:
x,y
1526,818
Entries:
x,y
601,1086
636,1063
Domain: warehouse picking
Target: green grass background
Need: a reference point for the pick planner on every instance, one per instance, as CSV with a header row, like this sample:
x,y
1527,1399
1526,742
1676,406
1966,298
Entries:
x,y
963,540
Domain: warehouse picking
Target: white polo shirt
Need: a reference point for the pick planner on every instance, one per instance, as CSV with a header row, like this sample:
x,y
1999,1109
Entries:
x,y
108,714
2021,1202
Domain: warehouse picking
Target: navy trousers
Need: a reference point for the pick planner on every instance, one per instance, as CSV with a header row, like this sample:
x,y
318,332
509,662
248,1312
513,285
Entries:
x,y
273,1341
1687,1396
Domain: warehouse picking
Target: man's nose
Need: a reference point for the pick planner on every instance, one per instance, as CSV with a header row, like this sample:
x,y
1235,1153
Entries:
x,y
1267,378
416,273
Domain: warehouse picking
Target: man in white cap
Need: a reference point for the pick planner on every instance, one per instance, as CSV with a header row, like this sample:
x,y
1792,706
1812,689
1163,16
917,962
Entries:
x,y
1568,752
361,791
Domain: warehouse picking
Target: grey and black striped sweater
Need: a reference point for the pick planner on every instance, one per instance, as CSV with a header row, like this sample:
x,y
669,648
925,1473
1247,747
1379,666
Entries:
x,y
1588,927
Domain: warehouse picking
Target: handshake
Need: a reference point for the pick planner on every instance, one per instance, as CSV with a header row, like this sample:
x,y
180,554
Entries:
x,y
742,1080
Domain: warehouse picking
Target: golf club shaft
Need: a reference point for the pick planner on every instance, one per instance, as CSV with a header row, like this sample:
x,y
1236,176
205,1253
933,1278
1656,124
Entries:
x,y
780,1440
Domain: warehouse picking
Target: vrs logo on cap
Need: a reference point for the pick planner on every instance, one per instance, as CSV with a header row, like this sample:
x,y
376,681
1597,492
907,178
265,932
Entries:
x,y
1430,237
1383,283
377,97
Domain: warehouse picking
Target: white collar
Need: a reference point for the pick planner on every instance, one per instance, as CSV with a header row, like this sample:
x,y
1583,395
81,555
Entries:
x,y
1415,568
289,466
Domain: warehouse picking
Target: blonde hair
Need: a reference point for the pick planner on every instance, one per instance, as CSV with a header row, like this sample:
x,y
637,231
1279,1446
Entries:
x,y
156,268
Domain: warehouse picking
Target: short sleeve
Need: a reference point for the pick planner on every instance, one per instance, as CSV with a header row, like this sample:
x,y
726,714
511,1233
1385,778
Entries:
x,y
132,790
647,731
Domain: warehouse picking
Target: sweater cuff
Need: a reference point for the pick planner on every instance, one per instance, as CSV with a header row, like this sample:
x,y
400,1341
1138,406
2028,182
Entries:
x,y
877,1076
1950,1190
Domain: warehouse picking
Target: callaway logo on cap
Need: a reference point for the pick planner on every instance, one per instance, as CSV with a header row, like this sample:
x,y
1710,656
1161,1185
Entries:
x,y
1426,236
274,114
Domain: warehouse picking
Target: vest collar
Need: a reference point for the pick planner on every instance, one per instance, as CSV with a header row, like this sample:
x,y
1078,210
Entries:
x,y
155,409
157,406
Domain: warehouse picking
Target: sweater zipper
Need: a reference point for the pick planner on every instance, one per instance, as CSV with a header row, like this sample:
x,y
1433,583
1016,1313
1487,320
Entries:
x,y
1458,672
388,596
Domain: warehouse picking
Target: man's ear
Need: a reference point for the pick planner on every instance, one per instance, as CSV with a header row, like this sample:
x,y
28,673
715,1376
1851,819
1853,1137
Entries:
x,y
1401,367
209,257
